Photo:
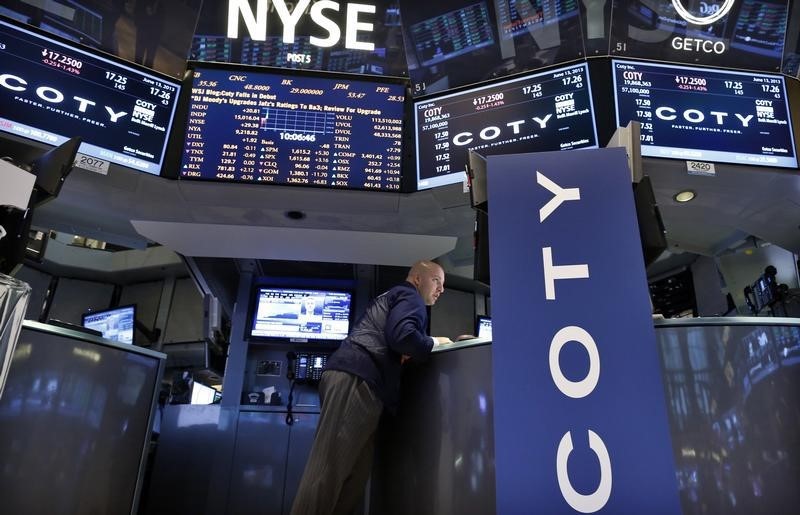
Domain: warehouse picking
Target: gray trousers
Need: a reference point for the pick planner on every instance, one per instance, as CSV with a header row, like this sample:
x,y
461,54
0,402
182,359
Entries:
x,y
341,456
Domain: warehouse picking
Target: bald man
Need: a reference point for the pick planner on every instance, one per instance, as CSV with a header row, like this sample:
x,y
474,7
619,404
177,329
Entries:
x,y
361,379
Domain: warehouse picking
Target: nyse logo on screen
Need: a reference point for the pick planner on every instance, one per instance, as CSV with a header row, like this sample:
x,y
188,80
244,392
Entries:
x,y
290,14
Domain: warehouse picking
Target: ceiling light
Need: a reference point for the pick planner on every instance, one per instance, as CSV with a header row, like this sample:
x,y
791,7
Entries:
x,y
684,196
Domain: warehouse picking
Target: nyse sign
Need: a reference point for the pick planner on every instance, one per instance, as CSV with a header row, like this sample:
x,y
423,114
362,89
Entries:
x,y
321,12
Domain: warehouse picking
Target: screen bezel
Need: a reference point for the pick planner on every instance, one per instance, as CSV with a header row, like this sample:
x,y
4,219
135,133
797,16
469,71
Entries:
x,y
297,286
133,307
407,149
168,153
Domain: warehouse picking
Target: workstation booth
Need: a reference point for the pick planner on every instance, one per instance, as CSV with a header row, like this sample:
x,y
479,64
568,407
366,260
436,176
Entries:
x,y
199,199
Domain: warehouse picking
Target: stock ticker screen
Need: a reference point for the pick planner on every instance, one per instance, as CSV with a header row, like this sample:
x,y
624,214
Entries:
x,y
532,113
706,115
51,91
276,128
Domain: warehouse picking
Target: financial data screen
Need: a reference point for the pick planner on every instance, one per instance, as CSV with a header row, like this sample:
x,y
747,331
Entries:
x,y
272,128
301,314
706,115
533,113
51,92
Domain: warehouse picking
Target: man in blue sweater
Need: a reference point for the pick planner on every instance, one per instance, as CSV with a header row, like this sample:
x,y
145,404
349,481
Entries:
x,y
361,379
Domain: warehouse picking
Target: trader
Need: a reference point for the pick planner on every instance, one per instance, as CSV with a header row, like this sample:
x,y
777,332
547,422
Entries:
x,y
361,378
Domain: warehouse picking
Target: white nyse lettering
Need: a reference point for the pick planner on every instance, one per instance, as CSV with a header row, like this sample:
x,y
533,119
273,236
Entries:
x,y
353,26
596,500
290,19
552,273
559,195
334,33
256,24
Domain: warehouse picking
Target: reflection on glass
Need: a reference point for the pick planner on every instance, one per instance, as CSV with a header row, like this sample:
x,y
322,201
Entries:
x,y
14,296
733,395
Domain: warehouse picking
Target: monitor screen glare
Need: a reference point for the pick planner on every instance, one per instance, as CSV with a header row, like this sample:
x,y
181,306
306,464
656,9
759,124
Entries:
x,y
115,324
297,314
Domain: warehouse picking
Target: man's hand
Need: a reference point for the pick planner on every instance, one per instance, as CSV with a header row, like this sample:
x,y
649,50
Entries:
x,y
442,340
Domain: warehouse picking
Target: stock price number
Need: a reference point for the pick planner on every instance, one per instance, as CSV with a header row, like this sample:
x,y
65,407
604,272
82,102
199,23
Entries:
x,y
486,99
534,90
61,59
161,94
690,81
119,81
736,86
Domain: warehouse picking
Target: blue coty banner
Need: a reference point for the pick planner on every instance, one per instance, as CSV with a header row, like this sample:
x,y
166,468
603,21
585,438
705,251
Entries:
x,y
580,418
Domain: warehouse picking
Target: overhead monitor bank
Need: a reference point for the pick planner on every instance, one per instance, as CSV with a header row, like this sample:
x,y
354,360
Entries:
x,y
52,91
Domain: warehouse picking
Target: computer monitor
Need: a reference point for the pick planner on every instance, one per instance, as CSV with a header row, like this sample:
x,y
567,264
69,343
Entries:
x,y
484,327
300,314
202,394
52,90
116,324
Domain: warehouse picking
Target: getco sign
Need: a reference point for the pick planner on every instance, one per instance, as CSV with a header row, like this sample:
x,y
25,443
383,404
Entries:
x,y
710,13
290,13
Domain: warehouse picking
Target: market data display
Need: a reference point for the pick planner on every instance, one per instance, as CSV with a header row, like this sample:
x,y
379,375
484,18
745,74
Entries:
x,y
51,92
534,113
259,127
706,115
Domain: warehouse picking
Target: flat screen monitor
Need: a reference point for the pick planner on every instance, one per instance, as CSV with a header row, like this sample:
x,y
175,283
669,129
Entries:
x,y
52,91
538,112
296,314
116,324
700,114
75,423
452,43
484,327
269,127
202,394
453,33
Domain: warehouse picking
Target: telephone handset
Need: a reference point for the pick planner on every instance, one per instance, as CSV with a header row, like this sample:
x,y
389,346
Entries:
x,y
308,366
304,367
